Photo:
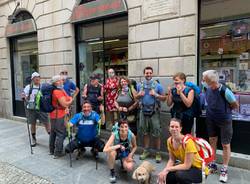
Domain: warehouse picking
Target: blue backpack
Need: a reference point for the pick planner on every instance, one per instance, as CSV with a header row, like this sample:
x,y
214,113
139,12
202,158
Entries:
x,y
196,106
46,98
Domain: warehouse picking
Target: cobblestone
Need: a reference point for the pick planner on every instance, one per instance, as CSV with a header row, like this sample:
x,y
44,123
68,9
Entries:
x,y
10,174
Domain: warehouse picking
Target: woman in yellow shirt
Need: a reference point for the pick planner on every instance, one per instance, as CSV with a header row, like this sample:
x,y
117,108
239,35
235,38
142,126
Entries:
x,y
189,169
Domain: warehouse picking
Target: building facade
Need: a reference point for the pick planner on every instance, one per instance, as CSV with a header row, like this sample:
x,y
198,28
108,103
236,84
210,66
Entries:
x,y
89,36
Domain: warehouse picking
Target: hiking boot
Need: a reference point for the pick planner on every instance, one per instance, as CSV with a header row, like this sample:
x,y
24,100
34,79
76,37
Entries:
x,y
223,175
80,153
158,157
144,155
212,167
112,178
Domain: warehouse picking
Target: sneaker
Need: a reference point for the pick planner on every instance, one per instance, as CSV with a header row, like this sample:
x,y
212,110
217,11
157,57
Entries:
x,y
223,175
144,155
33,143
158,157
56,156
212,167
112,177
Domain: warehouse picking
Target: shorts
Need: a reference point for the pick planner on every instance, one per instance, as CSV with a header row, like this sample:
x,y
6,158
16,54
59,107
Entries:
x,y
33,115
150,124
225,128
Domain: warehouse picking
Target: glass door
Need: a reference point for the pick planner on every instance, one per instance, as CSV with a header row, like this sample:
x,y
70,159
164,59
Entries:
x,y
24,63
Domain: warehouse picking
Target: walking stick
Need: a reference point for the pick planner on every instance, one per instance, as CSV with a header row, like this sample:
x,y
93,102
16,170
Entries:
x,y
69,135
28,128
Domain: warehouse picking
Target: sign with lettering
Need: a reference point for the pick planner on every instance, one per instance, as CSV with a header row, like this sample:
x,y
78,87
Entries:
x,y
155,8
96,9
23,27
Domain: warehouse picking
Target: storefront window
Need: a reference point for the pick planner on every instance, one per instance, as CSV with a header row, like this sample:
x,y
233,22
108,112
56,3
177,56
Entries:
x,y
102,45
225,45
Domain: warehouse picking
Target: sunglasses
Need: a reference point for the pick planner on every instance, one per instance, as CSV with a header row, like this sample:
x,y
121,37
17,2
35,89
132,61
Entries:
x,y
64,73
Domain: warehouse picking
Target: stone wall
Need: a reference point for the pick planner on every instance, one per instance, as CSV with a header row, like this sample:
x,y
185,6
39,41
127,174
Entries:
x,y
56,45
166,42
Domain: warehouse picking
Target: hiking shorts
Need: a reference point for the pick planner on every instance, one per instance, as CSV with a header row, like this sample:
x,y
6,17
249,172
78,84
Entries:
x,y
150,125
224,128
33,115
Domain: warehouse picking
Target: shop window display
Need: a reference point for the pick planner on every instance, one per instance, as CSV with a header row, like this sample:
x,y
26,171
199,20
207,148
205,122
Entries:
x,y
225,46
101,45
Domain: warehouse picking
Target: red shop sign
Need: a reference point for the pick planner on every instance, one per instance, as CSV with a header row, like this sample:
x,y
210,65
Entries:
x,y
96,9
23,27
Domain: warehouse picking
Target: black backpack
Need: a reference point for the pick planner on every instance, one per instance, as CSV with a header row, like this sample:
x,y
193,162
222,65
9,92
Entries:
x,y
46,98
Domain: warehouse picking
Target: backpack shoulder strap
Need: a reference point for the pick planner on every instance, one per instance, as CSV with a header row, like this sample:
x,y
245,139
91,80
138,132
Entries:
x,y
130,136
30,90
223,91
117,137
185,139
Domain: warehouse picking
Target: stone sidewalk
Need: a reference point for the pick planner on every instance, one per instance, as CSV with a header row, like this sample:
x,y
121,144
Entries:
x,y
42,168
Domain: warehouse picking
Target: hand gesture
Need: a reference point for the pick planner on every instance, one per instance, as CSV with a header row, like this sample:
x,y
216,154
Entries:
x,y
179,89
152,92
141,93
122,148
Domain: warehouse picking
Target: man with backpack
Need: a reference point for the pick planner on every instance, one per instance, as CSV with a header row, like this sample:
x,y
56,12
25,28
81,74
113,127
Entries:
x,y
33,112
93,92
150,93
60,101
68,85
220,102
87,122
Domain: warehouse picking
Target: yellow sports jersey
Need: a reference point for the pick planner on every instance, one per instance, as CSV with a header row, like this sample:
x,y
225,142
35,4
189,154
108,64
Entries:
x,y
180,152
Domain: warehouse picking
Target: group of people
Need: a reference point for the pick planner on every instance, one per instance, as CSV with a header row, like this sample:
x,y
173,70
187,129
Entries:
x,y
132,108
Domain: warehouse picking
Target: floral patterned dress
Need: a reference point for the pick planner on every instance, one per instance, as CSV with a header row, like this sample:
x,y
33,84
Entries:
x,y
111,89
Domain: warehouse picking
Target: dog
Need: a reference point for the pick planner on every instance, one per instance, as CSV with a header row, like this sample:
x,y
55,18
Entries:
x,y
143,172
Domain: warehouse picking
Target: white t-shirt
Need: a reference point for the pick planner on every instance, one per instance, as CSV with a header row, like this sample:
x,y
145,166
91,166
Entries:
x,y
35,89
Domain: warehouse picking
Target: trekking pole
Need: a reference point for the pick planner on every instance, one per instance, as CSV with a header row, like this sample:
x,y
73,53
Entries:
x,y
70,140
28,128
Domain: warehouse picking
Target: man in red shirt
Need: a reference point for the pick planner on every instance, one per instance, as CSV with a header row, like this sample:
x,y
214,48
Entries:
x,y
61,101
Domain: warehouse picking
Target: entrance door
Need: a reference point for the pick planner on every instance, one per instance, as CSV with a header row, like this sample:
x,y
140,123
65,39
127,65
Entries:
x,y
24,63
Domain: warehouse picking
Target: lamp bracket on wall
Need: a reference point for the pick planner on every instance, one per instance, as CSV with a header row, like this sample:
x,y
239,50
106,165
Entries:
x,y
12,16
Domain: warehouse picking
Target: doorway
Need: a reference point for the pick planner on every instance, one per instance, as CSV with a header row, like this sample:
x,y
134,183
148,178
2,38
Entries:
x,y
24,52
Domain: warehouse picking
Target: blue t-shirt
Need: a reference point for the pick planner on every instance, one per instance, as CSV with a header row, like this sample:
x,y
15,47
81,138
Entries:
x,y
146,86
69,86
87,126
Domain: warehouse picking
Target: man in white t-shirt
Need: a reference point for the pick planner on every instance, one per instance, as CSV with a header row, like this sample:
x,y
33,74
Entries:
x,y
32,113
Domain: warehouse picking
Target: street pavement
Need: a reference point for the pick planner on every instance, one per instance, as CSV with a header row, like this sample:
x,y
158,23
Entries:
x,y
18,166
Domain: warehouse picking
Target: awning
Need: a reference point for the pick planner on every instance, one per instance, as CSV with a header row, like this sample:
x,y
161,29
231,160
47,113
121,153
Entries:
x,y
23,27
97,9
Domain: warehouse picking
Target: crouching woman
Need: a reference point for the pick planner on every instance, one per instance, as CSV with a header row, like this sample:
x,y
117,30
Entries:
x,y
121,145
189,170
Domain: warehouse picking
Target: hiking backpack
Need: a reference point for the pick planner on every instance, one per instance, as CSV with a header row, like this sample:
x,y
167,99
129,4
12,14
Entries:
x,y
46,98
196,106
205,151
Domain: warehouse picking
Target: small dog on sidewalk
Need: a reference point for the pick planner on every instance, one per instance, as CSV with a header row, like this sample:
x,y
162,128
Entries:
x,y
143,172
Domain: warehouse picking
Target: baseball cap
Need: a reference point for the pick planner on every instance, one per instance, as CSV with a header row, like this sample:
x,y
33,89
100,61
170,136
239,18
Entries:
x,y
35,74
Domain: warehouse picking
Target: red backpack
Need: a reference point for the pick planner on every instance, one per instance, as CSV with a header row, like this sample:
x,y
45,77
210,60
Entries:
x,y
204,149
